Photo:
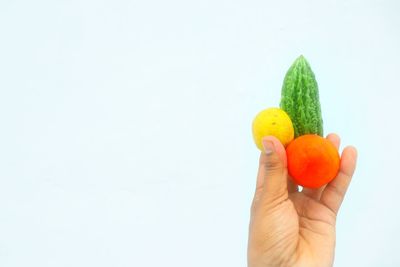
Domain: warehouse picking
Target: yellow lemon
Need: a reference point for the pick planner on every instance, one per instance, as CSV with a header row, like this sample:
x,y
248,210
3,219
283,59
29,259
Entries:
x,y
273,121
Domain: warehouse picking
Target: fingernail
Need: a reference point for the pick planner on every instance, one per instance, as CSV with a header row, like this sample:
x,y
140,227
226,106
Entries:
x,y
269,147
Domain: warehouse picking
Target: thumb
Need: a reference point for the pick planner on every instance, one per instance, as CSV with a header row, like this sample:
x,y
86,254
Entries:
x,y
272,169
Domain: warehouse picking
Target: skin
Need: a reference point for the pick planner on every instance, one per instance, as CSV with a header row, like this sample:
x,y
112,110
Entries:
x,y
292,228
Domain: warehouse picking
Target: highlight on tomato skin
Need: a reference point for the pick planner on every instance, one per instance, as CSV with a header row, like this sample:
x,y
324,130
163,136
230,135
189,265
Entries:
x,y
313,161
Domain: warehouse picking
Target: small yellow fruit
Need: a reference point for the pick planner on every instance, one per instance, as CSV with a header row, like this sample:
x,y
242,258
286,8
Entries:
x,y
272,121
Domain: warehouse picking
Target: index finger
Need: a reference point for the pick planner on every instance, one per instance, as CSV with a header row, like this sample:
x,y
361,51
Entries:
x,y
333,195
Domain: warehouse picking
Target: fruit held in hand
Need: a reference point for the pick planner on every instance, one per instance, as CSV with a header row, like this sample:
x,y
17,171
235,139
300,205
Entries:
x,y
312,160
300,99
272,121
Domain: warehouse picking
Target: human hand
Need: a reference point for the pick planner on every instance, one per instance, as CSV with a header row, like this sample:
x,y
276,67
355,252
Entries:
x,y
292,228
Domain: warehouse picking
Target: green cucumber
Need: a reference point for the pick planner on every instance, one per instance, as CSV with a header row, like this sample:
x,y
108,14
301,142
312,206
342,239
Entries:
x,y
300,99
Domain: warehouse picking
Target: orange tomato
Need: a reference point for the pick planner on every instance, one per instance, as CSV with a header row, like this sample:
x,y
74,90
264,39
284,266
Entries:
x,y
312,160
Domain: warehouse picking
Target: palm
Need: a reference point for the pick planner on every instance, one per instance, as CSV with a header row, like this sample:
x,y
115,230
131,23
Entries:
x,y
298,228
315,231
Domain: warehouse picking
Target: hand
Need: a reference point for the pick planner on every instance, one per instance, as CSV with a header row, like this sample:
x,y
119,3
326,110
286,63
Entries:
x,y
292,228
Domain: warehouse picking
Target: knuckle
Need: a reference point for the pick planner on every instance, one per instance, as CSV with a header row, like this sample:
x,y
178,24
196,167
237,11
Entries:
x,y
272,166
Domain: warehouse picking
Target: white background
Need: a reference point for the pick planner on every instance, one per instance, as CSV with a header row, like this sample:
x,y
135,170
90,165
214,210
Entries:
x,y
125,126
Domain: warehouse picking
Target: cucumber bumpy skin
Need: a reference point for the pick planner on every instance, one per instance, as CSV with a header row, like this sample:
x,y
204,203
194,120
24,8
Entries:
x,y
300,99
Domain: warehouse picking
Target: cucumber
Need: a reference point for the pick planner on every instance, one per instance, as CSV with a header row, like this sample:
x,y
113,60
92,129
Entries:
x,y
300,99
